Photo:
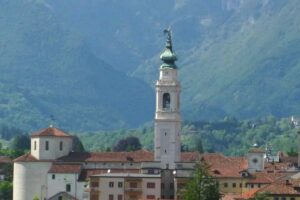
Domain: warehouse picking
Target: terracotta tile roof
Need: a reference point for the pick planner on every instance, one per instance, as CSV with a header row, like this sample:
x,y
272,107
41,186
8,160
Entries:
x,y
280,187
29,158
135,156
5,159
25,158
222,166
50,132
86,173
65,168
264,177
190,156
247,195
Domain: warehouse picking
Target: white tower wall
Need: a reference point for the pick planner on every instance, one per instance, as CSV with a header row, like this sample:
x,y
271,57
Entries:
x,y
30,180
167,119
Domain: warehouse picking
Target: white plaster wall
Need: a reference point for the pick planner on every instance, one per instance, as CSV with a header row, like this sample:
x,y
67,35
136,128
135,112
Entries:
x,y
105,190
30,180
54,150
59,185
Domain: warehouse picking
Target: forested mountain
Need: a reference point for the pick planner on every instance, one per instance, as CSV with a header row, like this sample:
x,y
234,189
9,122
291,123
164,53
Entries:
x,y
91,64
49,74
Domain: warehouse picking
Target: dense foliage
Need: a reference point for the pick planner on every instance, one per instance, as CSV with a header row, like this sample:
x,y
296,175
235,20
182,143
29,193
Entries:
x,y
202,186
229,136
130,143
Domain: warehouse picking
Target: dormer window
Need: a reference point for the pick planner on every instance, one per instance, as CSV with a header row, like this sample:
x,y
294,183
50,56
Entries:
x,y
60,145
166,101
47,145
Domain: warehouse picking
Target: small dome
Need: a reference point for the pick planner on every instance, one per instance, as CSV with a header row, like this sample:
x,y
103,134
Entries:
x,y
168,56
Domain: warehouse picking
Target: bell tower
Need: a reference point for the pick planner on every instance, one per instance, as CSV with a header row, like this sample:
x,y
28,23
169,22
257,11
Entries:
x,y
167,116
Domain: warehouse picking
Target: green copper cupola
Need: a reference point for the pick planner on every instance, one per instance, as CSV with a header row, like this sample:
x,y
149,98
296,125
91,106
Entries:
x,y
168,56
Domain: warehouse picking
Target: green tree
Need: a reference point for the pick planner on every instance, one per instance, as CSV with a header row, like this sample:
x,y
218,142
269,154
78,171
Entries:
x,y
130,143
202,186
21,142
77,144
6,189
261,196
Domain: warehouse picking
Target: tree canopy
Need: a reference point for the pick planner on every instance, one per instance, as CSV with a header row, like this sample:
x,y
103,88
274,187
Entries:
x,y
130,143
202,186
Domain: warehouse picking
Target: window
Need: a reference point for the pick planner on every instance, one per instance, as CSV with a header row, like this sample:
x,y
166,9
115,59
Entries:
x,y
233,185
259,185
34,145
120,197
151,185
133,185
120,184
225,185
95,184
60,145
252,185
162,186
111,184
276,198
68,187
150,197
47,145
53,176
166,101
241,185
111,197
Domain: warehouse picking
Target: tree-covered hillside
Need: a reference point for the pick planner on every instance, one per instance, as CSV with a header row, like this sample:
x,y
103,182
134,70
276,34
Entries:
x,y
49,74
91,64
229,136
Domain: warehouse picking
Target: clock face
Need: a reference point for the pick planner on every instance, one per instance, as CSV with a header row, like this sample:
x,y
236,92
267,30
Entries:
x,y
255,160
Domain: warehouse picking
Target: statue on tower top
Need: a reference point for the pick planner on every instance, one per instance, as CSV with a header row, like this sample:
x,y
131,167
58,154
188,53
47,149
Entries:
x,y
168,56
169,38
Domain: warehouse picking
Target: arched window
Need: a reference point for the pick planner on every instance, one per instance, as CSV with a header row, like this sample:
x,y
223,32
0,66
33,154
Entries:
x,y
166,101
60,145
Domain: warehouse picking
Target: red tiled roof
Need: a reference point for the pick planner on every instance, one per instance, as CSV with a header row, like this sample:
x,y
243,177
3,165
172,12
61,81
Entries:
x,y
135,156
26,158
264,177
190,156
222,166
5,159
247,195
280,187
50,132
65,168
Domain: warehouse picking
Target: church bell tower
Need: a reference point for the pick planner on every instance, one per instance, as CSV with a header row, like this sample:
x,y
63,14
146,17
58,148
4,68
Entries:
x,y
167,116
